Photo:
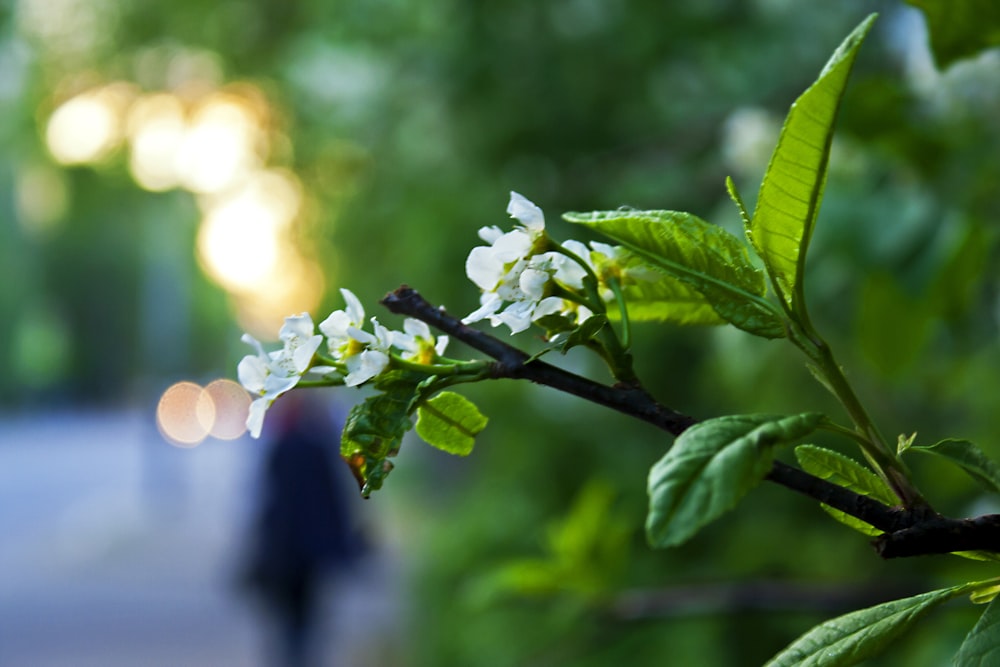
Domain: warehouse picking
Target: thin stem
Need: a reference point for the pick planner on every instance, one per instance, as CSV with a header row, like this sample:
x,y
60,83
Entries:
x,y
332,382
471,368
873,444
590,283
844,431
616,288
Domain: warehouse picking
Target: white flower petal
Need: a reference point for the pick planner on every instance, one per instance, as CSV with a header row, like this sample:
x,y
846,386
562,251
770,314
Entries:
x,y
275,385
405,342
383,337
362,336
335,326
483,268
354,308
547,306
579,249
255,418
297,326
490,234
517,316
605,249
321,370
252,371
442,343
302,355
417,328
512,246
532,282
489,304
526,212
363,367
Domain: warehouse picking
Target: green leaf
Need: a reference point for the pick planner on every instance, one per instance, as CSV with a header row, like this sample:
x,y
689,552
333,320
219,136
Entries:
x,y
967,456
738,200
848,473
450,422
904,442
375,428
844,471
981,647
667,299
960,28
985,595
704,257
792,189
711,466
859,635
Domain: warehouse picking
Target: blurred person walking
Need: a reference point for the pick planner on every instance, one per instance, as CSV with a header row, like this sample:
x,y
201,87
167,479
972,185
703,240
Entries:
x,y
304,532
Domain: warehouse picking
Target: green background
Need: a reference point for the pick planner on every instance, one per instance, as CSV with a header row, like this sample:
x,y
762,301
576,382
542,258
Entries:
x,y
407,124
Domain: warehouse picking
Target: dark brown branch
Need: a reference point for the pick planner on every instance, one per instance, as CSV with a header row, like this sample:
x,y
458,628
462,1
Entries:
x,y
867,509
906,532
941,535
512,363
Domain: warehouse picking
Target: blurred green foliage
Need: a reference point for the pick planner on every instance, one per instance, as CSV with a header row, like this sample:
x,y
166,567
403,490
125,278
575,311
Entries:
x,y
408,124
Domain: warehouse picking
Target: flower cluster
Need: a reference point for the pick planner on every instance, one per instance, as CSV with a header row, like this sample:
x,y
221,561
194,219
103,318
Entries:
x,y
355,355
524,276
515,272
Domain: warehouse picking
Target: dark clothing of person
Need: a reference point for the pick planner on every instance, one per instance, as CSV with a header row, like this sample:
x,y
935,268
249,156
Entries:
x,y
303,534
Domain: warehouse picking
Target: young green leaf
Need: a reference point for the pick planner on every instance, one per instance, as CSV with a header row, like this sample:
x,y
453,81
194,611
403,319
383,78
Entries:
x,y
981,647
375,428
450,422
792,189
985,594
705,257
711,466
844,471
848,473
738,200
967,456
666,299
859,635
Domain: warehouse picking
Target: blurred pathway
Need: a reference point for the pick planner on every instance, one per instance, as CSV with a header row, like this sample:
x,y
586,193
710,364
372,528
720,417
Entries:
x,y
118,550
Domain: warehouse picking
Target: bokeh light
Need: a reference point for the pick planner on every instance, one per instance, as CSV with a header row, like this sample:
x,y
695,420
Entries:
x,y
88,127
232,405
213,142
245,234
187,413
220,146
156,129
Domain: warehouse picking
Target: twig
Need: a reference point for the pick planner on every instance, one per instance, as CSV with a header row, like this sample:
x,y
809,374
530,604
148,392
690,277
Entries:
x,y
907,532
512,363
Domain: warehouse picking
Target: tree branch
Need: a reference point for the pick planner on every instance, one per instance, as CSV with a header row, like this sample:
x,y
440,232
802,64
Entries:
x,y
907,532
512,363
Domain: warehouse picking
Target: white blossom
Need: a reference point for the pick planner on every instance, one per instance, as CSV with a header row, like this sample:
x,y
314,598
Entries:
x,y
509,271
365,355
417,343
268,375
